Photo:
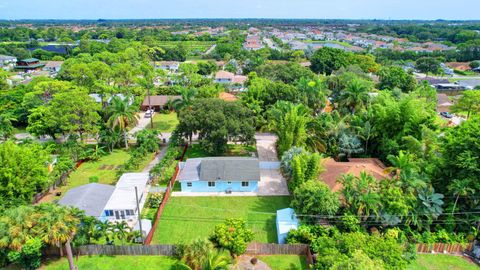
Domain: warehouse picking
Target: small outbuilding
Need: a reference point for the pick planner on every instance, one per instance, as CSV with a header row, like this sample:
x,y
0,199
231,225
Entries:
x,y
286,221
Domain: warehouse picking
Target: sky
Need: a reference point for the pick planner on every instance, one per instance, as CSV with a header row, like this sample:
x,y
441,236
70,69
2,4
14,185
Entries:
x,y
314,9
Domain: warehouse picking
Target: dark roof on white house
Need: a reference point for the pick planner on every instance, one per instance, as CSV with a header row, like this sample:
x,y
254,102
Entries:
x,y
90,198
220,168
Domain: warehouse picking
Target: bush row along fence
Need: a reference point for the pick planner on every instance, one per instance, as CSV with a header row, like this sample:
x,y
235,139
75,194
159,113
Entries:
x,y
444,248
37,197
166,196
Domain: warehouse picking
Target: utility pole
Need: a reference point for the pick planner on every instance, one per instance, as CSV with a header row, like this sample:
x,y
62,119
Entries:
x,y
150,108
139,214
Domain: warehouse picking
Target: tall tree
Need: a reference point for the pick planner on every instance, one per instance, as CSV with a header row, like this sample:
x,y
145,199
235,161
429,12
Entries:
x,y
289,122
468,102
121,114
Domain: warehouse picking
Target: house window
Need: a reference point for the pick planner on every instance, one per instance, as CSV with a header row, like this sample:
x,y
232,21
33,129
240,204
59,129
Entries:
x,y
189,184
211,184
130,212
244,184
109,213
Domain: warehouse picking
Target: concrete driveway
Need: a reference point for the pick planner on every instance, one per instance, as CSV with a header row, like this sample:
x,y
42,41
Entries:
x,y
266,146
272,183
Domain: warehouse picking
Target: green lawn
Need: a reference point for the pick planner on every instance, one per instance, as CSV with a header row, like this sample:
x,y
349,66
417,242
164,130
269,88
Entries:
x,y
164,122
114,263
441,262
105,169
285,262
194,151
188,218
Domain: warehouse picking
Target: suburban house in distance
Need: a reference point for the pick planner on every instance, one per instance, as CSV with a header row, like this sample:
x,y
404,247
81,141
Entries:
x,y
157,102
53,66
29,64
334,170
219,174
7,62
223,76
167,65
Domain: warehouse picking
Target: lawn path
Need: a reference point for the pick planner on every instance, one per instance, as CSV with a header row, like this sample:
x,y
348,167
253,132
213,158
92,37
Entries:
x,y
156,160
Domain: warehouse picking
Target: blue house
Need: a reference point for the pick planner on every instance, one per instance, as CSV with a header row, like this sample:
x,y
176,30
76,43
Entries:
x,y
219,174
286,221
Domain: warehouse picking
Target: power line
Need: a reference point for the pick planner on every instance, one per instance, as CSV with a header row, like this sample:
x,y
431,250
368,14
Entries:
x,y
317,216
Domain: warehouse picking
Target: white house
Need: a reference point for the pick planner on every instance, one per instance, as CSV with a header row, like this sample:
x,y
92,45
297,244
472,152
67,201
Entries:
x,y
122,205
167,65
53,66
7,62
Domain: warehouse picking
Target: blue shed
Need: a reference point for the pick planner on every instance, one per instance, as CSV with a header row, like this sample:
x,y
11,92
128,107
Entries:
x,y
286,221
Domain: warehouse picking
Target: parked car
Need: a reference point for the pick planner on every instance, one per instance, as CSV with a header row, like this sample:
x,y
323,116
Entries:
x,y
446,114
149,113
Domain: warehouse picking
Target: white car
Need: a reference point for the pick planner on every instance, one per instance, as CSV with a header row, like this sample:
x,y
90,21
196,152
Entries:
x,y
149,113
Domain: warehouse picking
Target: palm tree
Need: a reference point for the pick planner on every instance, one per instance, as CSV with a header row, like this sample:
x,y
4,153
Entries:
x,y
58,227
217,260
121,230
121,114
188,94
366,132
355,96
460,188
195,253
403,165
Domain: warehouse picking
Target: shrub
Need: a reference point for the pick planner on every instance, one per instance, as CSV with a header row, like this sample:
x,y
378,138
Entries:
x,y
93,179
232,235
315,198
154,200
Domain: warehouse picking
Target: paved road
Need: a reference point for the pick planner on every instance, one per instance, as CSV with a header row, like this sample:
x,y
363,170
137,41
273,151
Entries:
x,y
142,123
211,49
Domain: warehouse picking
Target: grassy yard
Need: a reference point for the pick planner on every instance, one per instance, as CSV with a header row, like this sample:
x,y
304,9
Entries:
x,y
188,218
114,263
194,151
164,122
286,262
441,262
105,169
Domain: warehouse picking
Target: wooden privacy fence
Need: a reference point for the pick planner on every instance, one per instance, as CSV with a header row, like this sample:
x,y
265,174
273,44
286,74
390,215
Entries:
x,y
277,249
166,196
444,248
37,197
111,250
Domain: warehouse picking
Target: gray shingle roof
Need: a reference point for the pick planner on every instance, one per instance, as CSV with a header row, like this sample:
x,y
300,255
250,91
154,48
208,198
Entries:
x,y
90,198
221,168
